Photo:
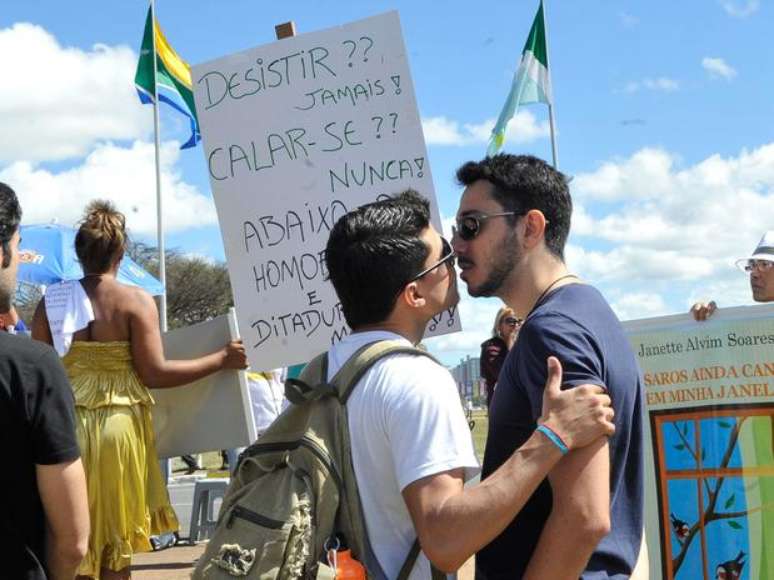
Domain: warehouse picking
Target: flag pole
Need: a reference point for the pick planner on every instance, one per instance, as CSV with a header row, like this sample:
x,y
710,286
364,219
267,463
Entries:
x,y
159,212
551,119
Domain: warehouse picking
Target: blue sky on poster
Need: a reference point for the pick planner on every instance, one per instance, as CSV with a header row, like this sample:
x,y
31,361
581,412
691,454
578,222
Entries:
x,y
664,111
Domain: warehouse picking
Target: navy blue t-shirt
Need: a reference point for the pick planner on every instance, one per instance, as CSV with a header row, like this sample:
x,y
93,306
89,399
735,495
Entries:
x,y
575,324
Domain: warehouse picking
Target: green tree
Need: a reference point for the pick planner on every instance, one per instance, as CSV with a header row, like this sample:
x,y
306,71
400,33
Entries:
x,y
198,289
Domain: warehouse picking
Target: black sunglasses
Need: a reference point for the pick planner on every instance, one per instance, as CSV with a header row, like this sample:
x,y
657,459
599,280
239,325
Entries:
x,y
510,321
448,258
469,226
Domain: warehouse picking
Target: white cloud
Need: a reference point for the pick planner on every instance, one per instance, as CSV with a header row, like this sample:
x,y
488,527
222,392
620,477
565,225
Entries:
x,y
647,220
728,291
523,128
477,316
629,263
628,20
655,235
660,84
639,305
201,258
637,177
718,68
124,175
740,9
57,102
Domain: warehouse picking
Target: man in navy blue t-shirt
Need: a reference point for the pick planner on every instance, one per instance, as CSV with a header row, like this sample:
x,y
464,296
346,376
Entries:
x,y
585,520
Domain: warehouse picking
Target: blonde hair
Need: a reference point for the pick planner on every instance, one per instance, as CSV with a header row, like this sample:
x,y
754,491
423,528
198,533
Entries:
x,y
101,237
502,313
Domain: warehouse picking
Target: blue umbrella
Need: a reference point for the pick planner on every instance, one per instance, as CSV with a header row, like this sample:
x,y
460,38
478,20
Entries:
x,y
47,256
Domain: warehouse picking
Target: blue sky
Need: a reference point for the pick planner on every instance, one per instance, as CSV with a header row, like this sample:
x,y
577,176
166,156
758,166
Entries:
x,y
664,112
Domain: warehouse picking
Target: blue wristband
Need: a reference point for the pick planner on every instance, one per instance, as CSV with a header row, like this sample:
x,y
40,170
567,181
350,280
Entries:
x,y
553,438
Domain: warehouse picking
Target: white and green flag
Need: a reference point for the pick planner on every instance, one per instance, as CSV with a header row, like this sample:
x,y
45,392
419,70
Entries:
x,y
531,83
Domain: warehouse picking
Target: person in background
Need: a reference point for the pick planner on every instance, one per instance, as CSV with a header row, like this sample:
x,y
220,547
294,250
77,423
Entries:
x,y
11,322
267,398
113,355
44,526
192,465
760,267
493,350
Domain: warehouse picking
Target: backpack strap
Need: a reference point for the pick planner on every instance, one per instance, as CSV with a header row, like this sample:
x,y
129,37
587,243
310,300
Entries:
x,y
364,358
411,559
345,382
311,384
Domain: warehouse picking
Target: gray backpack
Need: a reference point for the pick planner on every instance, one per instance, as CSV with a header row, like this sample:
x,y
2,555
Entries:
x,y
294,490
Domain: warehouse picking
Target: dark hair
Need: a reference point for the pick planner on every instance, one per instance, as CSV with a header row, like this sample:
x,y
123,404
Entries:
x,y
373,252
101,239
10,217
521,183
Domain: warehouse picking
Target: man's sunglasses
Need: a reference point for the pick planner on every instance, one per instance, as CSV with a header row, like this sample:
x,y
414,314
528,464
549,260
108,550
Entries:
x,y
448,258
469,226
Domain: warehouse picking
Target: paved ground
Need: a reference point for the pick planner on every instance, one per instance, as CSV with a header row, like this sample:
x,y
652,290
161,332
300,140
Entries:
x,y
173,564
177,563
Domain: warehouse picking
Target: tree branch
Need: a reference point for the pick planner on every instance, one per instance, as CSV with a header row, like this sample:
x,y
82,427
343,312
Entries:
x,y
739,514
693,454
732,439
685,442
709,513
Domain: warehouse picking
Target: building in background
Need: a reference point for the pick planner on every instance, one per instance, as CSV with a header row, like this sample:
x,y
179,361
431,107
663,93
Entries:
x,y
467,375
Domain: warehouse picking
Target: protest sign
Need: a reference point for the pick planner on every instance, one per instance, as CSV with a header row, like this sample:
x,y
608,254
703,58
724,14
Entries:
x,y
709,391
296,133
214,412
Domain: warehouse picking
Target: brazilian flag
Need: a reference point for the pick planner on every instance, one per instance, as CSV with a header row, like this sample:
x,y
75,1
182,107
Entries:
x,y
172,76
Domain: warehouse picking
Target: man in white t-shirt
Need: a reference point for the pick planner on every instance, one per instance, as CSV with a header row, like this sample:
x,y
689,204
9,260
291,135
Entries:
x,y
411,446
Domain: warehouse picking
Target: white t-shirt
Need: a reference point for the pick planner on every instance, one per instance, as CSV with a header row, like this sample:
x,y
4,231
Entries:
x,y
405,422
267,396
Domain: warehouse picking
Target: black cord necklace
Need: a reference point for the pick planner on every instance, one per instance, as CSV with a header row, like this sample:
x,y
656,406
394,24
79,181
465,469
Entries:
x,y
548,288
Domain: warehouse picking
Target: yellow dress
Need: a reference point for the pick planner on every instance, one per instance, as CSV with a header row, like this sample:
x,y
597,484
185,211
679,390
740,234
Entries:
x,y
128,499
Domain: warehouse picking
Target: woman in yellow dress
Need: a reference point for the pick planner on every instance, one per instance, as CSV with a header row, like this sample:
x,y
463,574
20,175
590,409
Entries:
x,y
112,363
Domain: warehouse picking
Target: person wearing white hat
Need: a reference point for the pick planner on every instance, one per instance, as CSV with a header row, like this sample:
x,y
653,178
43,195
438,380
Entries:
x,y
760,266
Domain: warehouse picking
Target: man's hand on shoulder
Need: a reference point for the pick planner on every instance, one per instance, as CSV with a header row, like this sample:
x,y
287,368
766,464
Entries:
x,y
579,415
703,310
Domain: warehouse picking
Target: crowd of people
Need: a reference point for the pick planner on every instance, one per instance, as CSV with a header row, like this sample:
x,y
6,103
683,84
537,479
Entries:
x,y
561,491
84,422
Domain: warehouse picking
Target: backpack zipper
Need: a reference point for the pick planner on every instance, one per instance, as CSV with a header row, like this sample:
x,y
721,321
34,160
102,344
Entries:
x,y
245,514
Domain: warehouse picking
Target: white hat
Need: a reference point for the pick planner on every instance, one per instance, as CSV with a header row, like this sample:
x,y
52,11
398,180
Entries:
x,y
764,251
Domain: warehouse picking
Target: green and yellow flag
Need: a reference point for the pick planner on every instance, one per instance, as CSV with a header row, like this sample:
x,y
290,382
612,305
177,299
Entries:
x,y
173,76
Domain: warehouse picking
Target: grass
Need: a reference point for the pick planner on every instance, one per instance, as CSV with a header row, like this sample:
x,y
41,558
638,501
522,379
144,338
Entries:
x,y
479,432
211,460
